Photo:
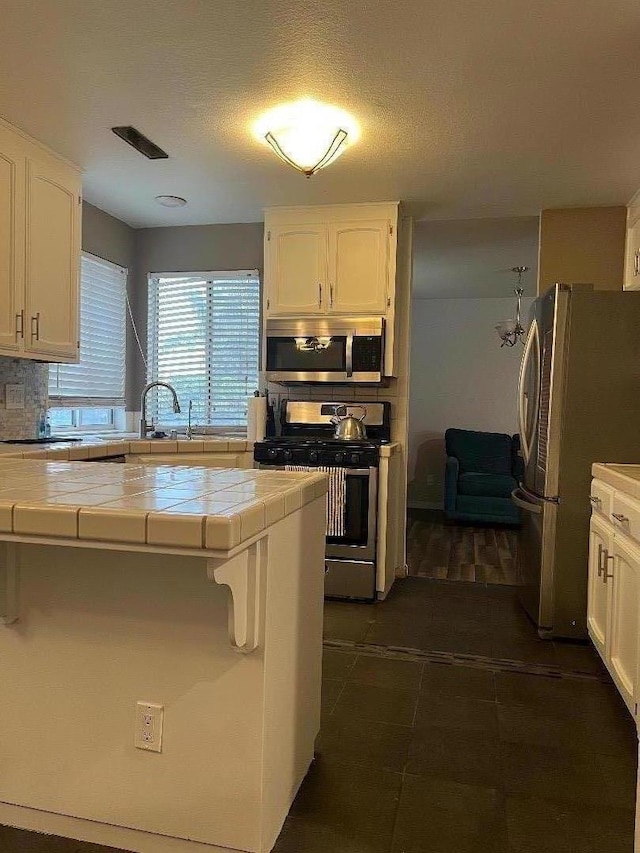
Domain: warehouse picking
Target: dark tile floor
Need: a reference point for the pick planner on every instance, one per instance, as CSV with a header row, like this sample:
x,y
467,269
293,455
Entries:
x,y
448,727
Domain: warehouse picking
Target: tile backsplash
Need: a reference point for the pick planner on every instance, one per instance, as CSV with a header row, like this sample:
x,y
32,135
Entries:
x,y
22,423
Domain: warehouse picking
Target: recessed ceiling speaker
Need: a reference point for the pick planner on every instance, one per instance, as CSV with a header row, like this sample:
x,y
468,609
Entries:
x,y
140,142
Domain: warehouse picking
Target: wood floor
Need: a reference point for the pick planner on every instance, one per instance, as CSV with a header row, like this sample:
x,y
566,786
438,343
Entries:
x,y
460,552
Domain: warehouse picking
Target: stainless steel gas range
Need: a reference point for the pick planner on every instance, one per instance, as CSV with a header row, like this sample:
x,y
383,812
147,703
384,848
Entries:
x,y
306,440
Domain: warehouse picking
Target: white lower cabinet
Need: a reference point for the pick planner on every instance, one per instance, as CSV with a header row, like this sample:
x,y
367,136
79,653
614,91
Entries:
x,y
613,611
624,619
600,548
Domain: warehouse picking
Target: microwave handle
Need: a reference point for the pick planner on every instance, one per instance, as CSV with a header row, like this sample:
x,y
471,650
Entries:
x,y
349,355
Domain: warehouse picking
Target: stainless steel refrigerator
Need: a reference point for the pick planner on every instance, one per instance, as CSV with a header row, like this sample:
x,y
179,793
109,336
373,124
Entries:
x,y
578,403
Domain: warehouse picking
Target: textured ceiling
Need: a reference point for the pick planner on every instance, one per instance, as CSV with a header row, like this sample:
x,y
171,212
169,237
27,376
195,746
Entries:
x,y
467,109
474,257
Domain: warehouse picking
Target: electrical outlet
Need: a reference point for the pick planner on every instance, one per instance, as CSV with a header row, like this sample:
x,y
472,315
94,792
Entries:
x,y
149,723
14,396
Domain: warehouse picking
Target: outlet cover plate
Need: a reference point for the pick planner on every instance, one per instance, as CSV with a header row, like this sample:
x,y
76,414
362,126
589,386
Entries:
x,y
148,727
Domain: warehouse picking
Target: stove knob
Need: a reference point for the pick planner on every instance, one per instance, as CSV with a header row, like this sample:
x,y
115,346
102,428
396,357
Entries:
x,y
355,457
272,453
339,457
288,455
313,456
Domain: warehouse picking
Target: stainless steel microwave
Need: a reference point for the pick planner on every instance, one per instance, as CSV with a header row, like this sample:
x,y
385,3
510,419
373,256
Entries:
x,y
328,349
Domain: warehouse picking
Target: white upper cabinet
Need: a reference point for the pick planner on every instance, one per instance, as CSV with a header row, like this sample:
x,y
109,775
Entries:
x,y
53,250
296,269
632,249
12,174
359,267
337,259
40,222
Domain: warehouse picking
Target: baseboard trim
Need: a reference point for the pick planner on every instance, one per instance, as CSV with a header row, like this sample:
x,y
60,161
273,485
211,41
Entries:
x,y
79,829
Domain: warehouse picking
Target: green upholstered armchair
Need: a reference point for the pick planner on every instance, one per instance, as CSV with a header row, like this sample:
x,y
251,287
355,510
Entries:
x,y
482,469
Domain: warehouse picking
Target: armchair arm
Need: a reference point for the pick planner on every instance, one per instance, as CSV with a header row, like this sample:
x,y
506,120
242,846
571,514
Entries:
x,y
451,472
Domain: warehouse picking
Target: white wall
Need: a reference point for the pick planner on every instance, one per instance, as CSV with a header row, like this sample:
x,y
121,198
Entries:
x,y
460,377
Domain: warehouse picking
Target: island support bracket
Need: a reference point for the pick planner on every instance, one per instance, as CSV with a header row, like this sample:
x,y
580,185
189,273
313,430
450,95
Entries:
x,y
245,575
8,583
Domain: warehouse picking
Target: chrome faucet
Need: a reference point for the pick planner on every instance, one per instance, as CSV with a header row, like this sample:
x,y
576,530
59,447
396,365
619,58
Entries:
x,y
144,427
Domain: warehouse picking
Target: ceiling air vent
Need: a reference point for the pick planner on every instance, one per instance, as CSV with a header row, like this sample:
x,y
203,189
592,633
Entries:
x,y
140,143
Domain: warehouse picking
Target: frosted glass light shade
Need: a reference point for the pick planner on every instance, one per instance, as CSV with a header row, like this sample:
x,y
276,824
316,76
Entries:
x,y
506,327
306,134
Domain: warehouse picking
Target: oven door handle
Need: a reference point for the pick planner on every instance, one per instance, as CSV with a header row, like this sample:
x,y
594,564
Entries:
x,y
349,355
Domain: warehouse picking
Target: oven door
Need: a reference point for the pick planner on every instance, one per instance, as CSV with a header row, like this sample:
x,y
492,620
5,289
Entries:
x,y
360,517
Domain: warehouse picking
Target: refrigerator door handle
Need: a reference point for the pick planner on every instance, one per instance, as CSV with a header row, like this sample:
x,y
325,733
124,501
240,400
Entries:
x,y
523,399
536,509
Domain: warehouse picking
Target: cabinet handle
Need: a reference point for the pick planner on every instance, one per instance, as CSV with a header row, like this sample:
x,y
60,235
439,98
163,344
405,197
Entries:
x,y
20,325
619,517
636,262
595,501
603,556
319,294
268,304
35,327
605,574
331,295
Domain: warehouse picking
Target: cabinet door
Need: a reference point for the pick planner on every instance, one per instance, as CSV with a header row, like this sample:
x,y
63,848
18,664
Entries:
x,y
632,256
358,267
296,269
624,621
52,261
11,242
600,559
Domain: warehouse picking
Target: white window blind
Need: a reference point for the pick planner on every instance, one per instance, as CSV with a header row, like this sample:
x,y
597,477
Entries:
x,y
98,379
204,339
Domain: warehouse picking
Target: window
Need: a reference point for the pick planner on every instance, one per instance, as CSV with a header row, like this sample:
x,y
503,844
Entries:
x,y
204,339
90,395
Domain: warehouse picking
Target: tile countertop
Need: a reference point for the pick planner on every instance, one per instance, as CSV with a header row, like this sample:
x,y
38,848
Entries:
x,y
164,506
625,478
92,448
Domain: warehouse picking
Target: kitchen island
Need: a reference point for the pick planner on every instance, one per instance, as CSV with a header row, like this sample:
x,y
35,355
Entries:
x,y
194,589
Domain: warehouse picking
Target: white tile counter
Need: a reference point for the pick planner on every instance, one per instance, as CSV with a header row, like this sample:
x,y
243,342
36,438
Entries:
x,y
164,505
91,448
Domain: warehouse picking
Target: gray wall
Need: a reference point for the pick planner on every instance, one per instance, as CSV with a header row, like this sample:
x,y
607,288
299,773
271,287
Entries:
x,y
188,248
107,237
460,377
469,258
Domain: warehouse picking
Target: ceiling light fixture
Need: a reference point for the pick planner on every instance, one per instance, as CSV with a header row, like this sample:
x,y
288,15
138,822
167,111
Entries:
x,y
511,331
306,134
171,200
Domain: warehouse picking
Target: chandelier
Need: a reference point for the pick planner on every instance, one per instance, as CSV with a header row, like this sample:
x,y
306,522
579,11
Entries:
x,y
511,331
